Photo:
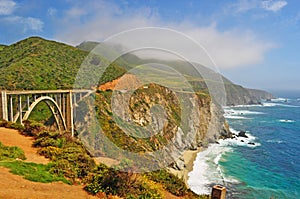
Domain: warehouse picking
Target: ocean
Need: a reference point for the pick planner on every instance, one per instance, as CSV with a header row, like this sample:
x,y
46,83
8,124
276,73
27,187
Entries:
x,y
268,167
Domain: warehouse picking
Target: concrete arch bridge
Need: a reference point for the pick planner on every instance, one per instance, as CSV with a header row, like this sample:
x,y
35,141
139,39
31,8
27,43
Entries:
x,y
16,106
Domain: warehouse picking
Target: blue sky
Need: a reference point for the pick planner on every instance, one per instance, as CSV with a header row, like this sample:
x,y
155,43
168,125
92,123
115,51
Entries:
x,y
255,43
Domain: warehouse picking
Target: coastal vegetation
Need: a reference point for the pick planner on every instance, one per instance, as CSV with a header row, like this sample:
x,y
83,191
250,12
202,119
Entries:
x,y
43,64
12,158
71,163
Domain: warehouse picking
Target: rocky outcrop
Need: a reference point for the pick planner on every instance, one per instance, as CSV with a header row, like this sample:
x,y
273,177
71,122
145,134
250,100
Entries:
x,y
200,123
238,95
155,117
260,94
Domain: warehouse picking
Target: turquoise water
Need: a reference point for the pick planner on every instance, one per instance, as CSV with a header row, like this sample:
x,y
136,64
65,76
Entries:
x,y
273,168
268,169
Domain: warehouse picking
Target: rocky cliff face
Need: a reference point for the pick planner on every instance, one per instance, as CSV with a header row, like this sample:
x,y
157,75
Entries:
x,y
155,118
260,94
238,95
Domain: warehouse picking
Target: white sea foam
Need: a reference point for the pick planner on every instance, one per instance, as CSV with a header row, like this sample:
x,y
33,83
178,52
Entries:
x,y
243,106
287,121
239,114
275,141
240,141
274,102
207,171
269,104
280,100
235,117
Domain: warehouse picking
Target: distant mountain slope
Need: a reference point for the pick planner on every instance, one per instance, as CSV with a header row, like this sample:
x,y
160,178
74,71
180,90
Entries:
x,y
236,94
87,45
260,94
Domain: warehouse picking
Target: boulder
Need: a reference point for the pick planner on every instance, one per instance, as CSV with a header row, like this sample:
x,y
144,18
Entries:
x,y
242,134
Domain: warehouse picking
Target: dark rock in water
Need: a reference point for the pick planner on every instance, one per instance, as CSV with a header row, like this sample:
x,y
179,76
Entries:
x,y
217,142
242,140
251,143
242,134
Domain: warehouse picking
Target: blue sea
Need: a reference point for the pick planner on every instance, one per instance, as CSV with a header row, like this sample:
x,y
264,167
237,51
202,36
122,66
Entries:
x,y
268,167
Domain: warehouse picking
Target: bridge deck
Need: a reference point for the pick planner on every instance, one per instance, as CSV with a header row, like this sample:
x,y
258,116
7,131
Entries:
x,y
45,91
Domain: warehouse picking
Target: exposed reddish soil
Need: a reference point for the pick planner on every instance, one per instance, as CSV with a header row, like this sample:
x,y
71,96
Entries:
x,y
127,81
13,186
10,137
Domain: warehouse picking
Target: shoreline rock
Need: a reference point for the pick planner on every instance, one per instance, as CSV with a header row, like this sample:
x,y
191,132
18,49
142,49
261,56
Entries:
x,y
242,134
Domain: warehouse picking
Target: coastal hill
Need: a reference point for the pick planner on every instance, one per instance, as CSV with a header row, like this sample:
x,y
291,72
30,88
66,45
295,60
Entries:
x,y
36,63
236,94
44,64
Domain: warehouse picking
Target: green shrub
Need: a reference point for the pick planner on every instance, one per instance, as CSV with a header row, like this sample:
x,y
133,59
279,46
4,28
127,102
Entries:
x,y
3,123
50,152
32,128
11,153
45,139
33,172
79,160
124,184
170,182
63,168
12,125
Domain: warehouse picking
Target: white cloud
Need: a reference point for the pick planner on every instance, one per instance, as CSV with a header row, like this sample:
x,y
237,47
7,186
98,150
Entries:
x,y
76,12
231,48
273,5
26,23
34,24
7,7
52,11
242,6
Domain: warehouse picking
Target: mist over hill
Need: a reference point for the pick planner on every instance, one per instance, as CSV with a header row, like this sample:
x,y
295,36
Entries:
x,y
44,64
235,94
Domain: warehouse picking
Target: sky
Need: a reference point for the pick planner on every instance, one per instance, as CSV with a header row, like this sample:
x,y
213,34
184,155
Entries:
x,y
255,43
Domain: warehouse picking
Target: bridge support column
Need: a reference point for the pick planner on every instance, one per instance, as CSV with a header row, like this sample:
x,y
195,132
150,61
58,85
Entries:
x,y
20,109
69,113
3,106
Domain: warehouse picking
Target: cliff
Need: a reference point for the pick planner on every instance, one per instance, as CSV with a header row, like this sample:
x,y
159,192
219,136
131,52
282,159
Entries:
x,y
260,94
238,95
156,119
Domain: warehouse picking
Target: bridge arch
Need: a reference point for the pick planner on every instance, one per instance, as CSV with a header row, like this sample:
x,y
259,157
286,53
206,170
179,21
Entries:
x,y
57,114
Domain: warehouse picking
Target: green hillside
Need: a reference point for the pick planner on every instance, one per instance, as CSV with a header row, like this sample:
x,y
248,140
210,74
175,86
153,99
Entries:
x,y
2,47
36,63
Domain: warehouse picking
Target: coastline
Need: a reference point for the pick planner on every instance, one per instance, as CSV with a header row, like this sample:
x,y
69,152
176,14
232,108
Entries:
x,y
189,157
